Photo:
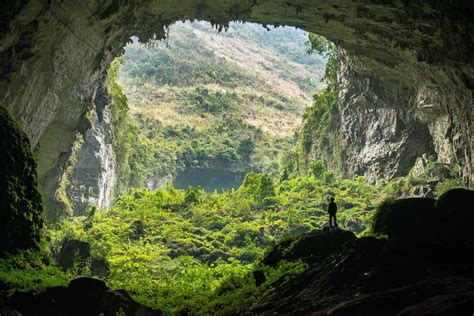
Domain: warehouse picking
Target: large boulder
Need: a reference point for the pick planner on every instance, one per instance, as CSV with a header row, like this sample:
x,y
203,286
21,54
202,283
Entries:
x,y
456,208
83,296
100,267
355,225
21,208
72,252
86,290
314,244
77,253
450,219
407,219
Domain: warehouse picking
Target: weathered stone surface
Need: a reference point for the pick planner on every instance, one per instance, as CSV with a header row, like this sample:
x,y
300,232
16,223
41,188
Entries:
x,y
370,276
457,210
87,290
54,57
407,219
77,253
73,251
93,178
20,200
450,219
380,132
100,267
313,244
83,296
355,225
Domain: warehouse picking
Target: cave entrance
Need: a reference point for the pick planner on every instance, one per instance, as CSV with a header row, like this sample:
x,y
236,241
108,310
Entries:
x,y
211,106
57,53
56,57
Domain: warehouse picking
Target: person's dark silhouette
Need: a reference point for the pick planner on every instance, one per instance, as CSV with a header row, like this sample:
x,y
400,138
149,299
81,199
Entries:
x,y
332,210
92,212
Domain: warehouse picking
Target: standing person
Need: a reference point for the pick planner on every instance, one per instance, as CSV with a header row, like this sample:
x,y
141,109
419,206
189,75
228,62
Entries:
x,y
332,210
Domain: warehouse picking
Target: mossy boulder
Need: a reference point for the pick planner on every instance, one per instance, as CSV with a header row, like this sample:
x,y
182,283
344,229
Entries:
x,y
308,246
450,219
407,219
20,199
457,215
83,296
73,252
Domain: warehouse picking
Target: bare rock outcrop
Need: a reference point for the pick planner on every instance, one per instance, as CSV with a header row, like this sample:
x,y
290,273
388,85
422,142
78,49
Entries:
x,y
416,271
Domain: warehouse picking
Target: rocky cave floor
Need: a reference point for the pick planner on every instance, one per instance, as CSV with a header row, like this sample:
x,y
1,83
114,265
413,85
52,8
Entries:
x,y
370,276
428,270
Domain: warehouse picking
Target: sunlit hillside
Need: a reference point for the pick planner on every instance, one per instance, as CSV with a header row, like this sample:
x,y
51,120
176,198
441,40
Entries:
x,y
264,77
211,106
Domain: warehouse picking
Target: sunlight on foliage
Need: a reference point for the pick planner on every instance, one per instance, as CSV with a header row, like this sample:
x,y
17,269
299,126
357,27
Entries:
x,y
191,249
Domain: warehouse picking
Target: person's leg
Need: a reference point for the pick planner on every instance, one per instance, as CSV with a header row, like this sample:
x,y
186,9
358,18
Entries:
x,y
330,220
335,221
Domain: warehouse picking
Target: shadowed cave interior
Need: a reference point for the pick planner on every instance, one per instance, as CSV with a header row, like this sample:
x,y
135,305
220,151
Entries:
x,y
90,220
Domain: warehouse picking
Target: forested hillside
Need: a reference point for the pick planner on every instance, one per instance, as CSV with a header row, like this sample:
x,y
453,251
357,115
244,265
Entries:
x,y
213,106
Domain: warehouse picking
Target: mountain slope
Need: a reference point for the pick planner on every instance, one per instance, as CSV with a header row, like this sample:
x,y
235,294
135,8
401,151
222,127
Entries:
x,y
228,103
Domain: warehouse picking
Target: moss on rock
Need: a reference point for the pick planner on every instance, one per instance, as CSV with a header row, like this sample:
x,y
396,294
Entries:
x,y
20,200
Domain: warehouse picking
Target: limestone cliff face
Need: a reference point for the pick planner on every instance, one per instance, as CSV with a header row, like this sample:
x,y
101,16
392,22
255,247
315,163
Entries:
x,y
380,130
54,55
382,126
93,179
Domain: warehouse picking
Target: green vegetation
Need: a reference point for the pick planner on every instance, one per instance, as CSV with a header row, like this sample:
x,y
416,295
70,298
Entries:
x,y
317,137
194,250
146,149
32,270
21,209
60,196
125,130
193,111
194,246
196,54
427,177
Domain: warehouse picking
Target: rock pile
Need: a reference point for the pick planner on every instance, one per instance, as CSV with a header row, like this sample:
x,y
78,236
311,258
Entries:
x,y
83,296
425,267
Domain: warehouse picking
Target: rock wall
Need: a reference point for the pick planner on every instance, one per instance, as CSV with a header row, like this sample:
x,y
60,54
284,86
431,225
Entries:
x,y
382,126
380,130
93,180
21,210
54,55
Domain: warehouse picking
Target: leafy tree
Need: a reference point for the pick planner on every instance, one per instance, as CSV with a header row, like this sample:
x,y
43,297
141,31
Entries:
x,y
322,46
259,186
317,168
193,194
246,149
318,135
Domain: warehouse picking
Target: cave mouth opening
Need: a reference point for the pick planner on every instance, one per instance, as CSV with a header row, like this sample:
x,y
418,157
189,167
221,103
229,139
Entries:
x,y
392,38
213,105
